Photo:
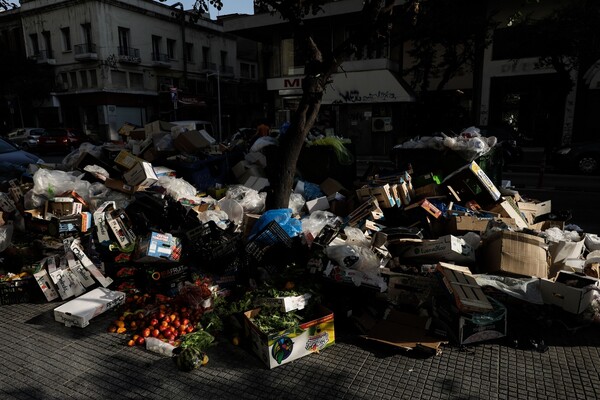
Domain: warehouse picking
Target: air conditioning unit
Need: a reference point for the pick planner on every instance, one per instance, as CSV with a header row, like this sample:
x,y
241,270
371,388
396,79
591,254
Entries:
x,y
381,124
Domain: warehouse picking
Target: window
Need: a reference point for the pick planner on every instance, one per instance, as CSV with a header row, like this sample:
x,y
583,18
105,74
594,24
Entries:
x,y
205,57
124,41
47,43
119,78
66,38
86,32
93,78
156,40
189,52
64,78
136,80
247,70
35,46
74,84
171,48
84,79
223,58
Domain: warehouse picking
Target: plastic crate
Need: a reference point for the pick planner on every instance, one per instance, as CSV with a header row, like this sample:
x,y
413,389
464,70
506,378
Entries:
x,y
271,235
16,291
214,246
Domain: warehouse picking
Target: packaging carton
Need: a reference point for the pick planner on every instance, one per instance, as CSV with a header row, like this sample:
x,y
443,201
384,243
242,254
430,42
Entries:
x,y
445,248
126,160
410,289
193,141
142,174
278,348
472,183
157,127
515,253
159,247
320,203
571,292
80,311
460,224
508,209
381,193
463,288
534,209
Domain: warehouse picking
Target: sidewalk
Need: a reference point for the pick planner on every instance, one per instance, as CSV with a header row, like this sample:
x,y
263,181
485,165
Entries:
x,y
43,359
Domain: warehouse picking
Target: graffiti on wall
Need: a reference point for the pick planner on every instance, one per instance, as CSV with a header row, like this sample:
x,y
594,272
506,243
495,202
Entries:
x,y
354,96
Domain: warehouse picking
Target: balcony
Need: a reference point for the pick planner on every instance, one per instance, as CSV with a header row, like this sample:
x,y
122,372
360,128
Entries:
x,y
161,60
226,70
44,57
86,52
206,66
129,55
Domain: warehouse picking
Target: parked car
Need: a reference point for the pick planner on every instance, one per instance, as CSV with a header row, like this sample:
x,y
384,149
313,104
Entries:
x,y
61,140
581,158
26,138
11,154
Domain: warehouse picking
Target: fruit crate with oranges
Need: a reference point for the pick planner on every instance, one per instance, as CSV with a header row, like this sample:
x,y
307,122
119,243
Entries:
x,y
15,291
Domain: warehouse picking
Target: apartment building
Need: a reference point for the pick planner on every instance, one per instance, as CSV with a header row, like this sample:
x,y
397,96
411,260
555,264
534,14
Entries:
x,y
117,61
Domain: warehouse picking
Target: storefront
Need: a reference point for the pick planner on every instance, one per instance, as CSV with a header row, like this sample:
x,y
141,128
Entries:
x,y
365,106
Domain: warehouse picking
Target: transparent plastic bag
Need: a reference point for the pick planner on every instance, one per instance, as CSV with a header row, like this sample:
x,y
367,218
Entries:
x,y
316,221
354,257
355,236
251,201
177,188
296,203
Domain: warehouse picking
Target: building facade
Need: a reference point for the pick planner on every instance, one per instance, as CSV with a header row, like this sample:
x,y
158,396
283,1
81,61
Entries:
x,y
117,61
367,100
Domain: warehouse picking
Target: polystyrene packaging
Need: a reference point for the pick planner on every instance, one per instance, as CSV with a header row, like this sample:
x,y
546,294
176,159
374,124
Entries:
x,y
592,242
158,346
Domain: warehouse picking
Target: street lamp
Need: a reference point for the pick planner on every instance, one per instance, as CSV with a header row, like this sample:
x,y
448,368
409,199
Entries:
x,y
218,99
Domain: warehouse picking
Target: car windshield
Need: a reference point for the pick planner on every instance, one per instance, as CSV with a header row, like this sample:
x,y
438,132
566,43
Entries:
x,y
6,147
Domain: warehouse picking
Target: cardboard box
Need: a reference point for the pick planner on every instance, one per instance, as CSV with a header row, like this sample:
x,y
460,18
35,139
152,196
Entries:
x,y
410,289
159,247
80,311
560,251
61,207
279,348
460,224
465,328
142,174
515,253
534,209
45,283
157,127
472,183
100,222
330,187
445,248
119,224
285,303
119,186
383,195
318,204
508,208
426,206
193,141
167,280
463,288
126,160
571,292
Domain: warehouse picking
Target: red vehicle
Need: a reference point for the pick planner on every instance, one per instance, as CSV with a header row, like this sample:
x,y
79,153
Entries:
x,y
61,140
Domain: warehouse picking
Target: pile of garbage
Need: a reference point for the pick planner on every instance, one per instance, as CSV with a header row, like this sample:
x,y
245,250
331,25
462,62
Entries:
x,y
412,261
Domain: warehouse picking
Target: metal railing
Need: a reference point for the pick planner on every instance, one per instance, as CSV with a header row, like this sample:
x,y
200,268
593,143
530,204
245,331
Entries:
x,y
85,48
129,52
43,55
160,57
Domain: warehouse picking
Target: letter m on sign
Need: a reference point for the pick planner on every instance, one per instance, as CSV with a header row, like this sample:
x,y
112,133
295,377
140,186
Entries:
x,y
291,83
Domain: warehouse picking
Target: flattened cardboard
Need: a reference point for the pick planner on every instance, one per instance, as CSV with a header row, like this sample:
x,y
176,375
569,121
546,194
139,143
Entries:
x,y
406,331
466,292
508,208
445,248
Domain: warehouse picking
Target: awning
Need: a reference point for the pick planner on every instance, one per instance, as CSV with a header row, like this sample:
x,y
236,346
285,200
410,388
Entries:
x,y
378,86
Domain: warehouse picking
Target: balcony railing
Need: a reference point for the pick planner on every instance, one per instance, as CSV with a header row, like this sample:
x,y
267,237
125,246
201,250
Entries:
x,y
161,60
208,66
129,55
226,70
85,51
44,56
